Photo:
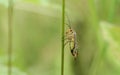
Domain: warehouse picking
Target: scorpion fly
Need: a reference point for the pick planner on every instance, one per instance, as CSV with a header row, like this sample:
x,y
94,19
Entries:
x,y
70,38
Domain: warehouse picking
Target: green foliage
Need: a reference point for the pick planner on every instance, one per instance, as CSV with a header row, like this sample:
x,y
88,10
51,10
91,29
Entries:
x,y
37,36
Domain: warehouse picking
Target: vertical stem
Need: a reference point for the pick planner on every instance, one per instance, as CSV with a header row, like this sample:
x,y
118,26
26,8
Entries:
x,y
10,19
63,22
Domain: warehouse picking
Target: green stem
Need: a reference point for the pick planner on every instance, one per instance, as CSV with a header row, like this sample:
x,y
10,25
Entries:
x,y
63,22
10,15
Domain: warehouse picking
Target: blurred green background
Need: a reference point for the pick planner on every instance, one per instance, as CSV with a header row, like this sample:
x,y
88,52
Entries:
x,y
37,37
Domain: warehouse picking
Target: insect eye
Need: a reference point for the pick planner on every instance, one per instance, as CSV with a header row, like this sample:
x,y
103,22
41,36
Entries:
x,y
70,30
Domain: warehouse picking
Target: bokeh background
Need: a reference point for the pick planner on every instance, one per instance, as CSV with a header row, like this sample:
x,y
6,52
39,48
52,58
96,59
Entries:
x,y
37,35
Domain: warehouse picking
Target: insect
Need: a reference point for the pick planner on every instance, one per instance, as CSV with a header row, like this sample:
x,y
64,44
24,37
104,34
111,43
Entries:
x,y
70,38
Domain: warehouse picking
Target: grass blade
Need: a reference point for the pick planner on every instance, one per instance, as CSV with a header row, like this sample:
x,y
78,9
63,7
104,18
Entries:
x,y
10,19
63,22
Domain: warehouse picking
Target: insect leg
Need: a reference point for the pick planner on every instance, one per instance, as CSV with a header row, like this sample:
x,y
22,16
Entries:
x,y
66,43
70,45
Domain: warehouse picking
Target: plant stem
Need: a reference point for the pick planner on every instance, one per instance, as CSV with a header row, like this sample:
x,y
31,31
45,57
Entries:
x,y
63,22
10,19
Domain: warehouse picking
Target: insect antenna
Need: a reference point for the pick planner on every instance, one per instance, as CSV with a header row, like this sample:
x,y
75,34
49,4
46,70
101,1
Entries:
x,y
69,22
